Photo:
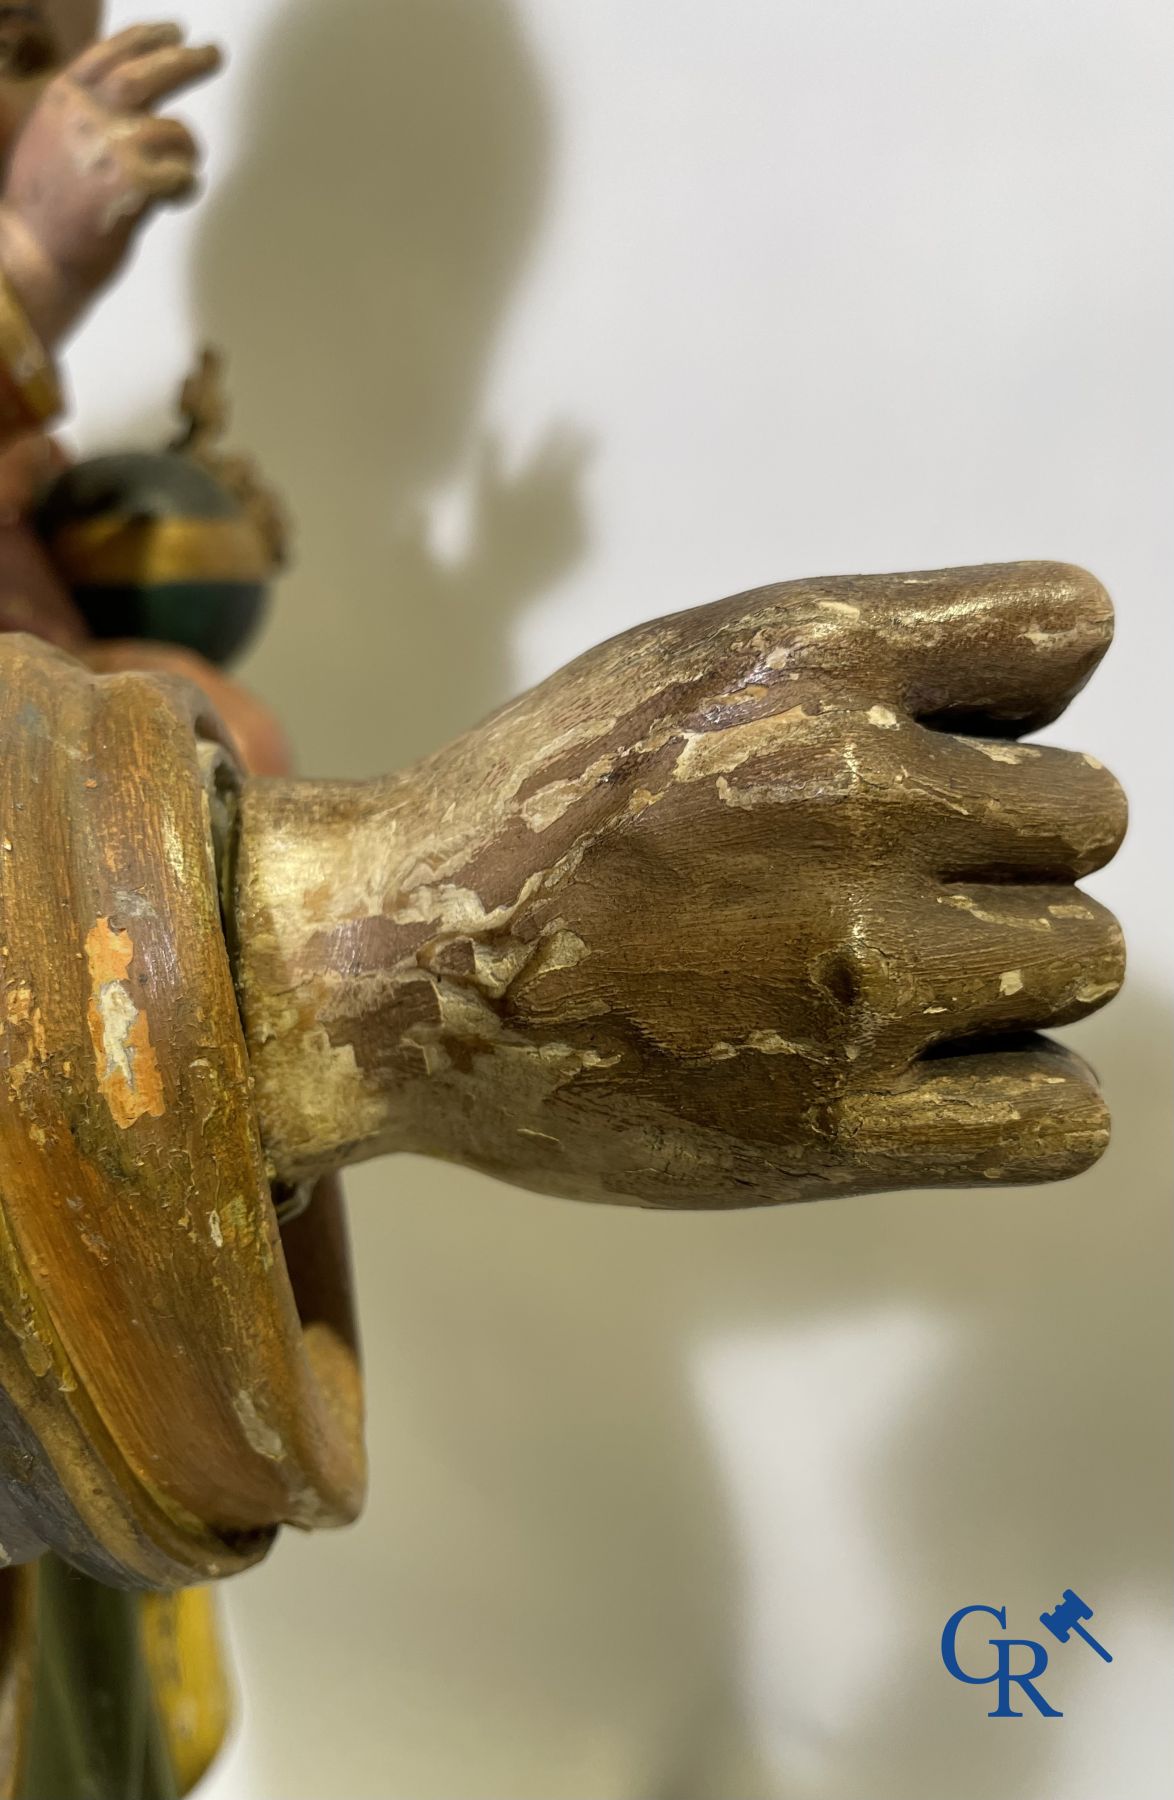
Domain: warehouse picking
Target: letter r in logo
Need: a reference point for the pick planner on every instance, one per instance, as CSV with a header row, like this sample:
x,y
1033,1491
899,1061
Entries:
x,y
1026,1679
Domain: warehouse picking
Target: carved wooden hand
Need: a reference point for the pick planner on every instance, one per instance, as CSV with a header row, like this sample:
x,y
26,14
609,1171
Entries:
x,y
749,904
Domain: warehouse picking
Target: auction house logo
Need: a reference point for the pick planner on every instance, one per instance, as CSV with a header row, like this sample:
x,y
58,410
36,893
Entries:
x,y
1061,1622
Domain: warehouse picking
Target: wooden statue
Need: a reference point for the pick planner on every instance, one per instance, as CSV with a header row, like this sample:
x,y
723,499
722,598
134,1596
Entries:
x,y
760,902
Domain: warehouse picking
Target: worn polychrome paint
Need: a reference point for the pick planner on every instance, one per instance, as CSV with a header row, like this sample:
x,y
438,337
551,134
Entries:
x,y
752,903
163,1406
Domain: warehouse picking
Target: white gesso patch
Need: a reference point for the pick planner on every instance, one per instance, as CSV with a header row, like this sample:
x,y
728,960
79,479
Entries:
x,y
118,1013
799,1419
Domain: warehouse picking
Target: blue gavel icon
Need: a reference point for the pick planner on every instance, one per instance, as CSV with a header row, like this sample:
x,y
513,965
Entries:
x,y
1064,1619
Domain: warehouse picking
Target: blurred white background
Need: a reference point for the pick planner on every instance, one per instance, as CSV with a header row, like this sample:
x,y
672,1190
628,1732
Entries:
x,y
549,317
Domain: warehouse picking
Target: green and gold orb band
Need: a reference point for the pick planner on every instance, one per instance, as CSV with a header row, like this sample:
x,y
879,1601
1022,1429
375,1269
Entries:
x,y
153,546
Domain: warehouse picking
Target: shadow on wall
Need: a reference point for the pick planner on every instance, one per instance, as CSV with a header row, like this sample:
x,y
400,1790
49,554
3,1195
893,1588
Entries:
x,y
545,1595
357,267
539,1599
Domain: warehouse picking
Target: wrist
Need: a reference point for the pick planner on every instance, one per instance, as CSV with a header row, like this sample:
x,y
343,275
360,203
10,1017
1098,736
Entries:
x,y
30,394
320,968
49,303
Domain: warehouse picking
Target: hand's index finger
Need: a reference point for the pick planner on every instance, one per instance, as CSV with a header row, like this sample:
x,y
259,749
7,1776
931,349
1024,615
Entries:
x,y
995,649
95,63
141,83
